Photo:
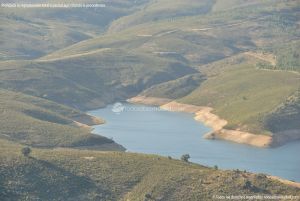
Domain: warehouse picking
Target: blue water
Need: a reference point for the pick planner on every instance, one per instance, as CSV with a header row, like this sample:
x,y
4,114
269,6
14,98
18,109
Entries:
x,y
144,129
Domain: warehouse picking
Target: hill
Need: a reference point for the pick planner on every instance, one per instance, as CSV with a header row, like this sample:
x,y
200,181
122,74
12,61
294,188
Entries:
x,y
66,174
40,123
39,31
90,80
226,56
250,99
249,94
239,57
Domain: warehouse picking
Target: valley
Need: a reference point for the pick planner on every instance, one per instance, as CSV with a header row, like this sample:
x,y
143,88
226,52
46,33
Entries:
x,y
234,64
172,131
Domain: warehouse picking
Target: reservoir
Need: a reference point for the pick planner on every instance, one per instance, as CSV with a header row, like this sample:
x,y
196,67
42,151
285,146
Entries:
x,y
150,130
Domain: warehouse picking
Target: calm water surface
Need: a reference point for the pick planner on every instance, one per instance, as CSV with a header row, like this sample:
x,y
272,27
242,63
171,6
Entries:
x,y
143,129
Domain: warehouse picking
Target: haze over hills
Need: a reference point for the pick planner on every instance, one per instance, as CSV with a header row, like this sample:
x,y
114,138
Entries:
x,y
239,57
37,32
149,47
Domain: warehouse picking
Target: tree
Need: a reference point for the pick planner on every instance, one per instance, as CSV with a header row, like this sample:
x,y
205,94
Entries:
x,y
26,151
216,167
185,157
248,184
148,197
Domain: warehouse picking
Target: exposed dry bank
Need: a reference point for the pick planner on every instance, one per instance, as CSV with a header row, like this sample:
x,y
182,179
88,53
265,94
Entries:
x,y
205,115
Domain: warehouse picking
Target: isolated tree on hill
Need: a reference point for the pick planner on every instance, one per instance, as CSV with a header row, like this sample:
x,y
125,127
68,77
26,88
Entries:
x,y
185,157
26,151
148,196
248,184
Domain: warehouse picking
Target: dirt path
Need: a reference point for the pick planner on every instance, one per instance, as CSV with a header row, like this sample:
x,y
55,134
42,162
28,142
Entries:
x,y
276,70
225,25
73,55
270,58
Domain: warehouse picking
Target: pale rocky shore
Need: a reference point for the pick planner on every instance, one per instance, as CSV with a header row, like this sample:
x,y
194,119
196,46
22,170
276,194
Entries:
x,y
285,181
87,121
206,115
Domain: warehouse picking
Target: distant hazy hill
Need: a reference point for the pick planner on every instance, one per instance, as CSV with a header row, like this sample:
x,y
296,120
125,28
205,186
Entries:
x,y
31,33
238,43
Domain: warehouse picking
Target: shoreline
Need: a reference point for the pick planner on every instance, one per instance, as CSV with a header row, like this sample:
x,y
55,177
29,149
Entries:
x,y
87,121
206,116
285,181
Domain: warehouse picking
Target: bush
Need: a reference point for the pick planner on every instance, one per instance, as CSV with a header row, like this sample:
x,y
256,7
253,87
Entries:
x,y
248,185
185,157
148,196
237,171
26,151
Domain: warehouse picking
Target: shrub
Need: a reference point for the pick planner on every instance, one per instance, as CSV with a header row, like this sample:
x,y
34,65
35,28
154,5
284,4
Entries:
x,y
248,185
26,151
148,196
185,157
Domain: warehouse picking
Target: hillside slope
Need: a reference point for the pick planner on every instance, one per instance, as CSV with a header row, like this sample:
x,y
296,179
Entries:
x,y
39,31
66,174
90,80
228,56
250,99
40,123
239,57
